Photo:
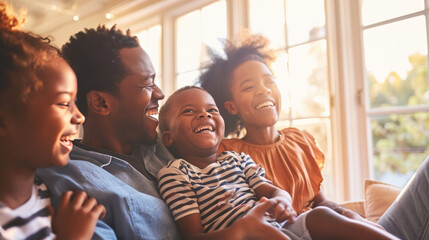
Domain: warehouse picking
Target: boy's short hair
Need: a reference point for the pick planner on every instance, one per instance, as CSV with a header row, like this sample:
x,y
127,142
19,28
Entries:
x,y
94,56
164,112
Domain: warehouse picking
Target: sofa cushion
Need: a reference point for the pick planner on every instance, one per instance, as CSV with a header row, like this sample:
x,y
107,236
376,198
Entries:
x,y
378,198
356,206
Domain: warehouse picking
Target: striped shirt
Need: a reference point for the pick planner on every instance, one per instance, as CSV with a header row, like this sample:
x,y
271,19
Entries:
x,y
221,193
32,220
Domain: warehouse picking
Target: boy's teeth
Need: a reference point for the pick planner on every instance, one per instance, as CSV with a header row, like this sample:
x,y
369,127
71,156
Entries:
x,y
210,128
265,104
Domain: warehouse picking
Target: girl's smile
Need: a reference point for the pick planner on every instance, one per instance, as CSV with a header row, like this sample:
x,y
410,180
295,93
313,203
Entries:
x,y
255,97
50,117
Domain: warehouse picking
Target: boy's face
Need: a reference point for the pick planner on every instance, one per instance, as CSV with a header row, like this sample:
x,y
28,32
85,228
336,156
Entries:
x,y
256,99
195,126
40,135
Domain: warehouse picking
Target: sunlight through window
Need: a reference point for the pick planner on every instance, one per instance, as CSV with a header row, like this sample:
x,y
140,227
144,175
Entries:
x,y
198,33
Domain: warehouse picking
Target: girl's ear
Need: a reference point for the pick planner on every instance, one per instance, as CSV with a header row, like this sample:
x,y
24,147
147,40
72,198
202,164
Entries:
x,y
230,107
99,102
166,138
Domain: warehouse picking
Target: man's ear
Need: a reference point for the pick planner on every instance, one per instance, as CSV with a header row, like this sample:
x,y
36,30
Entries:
x,y
166,138
230,107
99,102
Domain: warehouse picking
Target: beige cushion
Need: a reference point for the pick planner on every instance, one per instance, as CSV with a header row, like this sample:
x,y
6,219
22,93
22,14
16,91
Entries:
x,y
378,198
355,206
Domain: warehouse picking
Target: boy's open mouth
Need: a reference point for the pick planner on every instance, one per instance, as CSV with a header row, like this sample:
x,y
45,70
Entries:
x,y
204,128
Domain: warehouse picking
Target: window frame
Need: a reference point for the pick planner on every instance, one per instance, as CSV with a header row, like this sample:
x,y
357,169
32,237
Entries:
x,y
349,113
346,62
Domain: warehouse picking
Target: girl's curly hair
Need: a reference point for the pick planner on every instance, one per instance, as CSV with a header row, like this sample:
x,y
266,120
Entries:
x,y
23,55
217,77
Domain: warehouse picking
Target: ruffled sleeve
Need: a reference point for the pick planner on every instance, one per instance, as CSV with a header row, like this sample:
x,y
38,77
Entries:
x,y
293,163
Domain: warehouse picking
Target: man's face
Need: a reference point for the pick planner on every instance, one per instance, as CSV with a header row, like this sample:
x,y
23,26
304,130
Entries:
x,y
137,102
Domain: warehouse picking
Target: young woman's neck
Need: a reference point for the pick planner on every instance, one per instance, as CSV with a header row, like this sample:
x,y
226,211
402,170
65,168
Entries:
x,y
261,136
16,185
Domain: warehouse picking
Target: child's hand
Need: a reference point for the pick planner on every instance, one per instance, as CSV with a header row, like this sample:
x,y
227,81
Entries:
x,y
76,216
253,225
282,211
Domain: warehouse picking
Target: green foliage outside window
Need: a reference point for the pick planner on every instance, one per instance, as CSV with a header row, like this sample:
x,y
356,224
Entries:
x,y
400,141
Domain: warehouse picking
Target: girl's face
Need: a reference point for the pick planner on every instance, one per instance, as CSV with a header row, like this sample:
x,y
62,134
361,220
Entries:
x,y
255,97
41,134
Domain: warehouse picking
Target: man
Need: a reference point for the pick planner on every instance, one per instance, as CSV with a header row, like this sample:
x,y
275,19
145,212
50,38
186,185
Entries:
x,y
119,156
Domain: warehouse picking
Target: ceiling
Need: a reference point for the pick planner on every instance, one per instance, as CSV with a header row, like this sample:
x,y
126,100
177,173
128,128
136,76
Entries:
x,y
44,16
54,18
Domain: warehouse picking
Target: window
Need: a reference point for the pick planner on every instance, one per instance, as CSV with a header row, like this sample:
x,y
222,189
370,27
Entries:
x,y
196,32
397,87
150,40
352,73
297,32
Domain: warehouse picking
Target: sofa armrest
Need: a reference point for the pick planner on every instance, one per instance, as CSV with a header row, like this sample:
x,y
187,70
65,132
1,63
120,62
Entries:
x,y
378,198
356,206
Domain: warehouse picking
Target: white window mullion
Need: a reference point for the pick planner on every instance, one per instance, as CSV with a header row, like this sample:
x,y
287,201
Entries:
x,y
347,72
338,138
168,55
237,17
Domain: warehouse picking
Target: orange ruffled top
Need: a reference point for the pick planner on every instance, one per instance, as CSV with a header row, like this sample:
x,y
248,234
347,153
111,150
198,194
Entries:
x,y
294,163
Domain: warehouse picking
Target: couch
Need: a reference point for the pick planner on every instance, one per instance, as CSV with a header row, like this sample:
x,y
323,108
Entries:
x,y
378,198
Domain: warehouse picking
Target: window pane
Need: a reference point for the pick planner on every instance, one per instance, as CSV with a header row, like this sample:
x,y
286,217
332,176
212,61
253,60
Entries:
x,y
379,10
279,68
305,20
188,78
150,41
320,128
400,144
188,41
396,61
309,80
214,28
268,20
195,33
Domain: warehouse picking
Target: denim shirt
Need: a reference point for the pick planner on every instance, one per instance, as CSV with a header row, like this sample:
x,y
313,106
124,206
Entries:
x,y
134,209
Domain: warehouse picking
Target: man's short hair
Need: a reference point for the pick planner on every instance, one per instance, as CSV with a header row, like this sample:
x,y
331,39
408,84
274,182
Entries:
x,y
94,56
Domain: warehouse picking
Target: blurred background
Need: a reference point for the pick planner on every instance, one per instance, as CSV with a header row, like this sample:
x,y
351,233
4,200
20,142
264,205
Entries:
x,y
353,73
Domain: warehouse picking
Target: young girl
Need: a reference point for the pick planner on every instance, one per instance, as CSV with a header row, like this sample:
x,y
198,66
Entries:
x,y
38,121
207,193
248,98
